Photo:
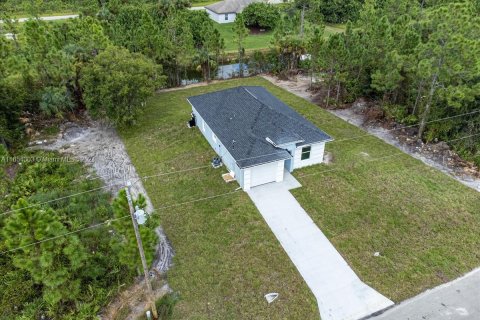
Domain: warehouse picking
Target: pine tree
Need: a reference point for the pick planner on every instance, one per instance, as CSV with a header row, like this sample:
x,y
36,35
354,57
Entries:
x,y
125,243
241,32
53,263
448,57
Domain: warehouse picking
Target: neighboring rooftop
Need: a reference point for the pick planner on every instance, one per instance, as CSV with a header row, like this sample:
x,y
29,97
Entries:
x,y
245,118
229,6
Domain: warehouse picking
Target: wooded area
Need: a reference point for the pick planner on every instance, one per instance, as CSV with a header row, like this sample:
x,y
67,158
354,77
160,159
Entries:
x,y
418,60
75,275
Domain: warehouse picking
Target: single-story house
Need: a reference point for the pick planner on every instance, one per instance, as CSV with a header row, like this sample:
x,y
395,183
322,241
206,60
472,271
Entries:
x,y
256,135
226,11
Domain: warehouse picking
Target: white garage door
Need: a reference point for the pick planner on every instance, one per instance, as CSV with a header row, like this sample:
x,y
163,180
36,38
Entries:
x,y
262,174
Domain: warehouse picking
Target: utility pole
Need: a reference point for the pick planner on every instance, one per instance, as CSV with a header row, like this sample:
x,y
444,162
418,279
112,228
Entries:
x,y
142,253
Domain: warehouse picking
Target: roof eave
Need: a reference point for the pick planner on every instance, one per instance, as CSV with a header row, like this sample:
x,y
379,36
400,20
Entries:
x,y
260,163
217,12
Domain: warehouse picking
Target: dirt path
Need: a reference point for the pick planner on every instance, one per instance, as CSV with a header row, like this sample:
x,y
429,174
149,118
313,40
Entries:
x,y
100,147
438,156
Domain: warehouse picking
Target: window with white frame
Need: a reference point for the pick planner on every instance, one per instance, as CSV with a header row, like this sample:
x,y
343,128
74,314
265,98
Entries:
x,y
226,16
306,152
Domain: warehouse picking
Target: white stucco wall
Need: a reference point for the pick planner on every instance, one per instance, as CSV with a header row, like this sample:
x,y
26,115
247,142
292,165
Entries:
x,y
220,18
218,146
316,156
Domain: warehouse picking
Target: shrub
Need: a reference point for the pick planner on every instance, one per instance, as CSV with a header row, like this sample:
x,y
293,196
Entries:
x,y
166,304
261,15
55,101
117,84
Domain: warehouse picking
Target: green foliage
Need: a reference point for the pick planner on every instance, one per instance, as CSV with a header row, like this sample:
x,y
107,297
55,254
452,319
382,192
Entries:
x,y
117,83
399,113
55,101
38,7
207,42
166,304
83,38
262,15
13,96
18,289
134,28
3,151
92,284
339,11
41,67
51,264
177,45
125,241
420,63
289,44
49,65
240,33
260,62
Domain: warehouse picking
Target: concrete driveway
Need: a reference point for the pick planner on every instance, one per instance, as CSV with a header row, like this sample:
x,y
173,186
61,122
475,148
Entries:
x,y
340,294
456,300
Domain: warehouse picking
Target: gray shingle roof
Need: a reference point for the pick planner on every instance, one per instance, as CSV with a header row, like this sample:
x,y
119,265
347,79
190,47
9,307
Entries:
x,y
249,115
229,6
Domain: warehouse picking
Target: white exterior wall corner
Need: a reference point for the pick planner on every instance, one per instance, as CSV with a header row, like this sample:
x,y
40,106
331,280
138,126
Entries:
x,y
220,17
316,155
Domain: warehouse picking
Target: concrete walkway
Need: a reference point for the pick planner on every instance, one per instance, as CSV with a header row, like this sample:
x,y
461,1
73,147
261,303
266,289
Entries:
x,y
456,300
340,294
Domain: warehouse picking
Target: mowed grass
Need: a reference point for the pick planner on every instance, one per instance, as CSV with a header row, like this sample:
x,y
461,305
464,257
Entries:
x,y
203,3
226,258
252,41
425,224
262,40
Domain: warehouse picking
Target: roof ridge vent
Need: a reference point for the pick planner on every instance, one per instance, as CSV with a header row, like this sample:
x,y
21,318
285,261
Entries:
x,y
252,94
271,142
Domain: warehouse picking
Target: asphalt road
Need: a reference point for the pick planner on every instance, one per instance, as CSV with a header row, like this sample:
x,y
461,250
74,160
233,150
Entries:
x,y
456,300
51,18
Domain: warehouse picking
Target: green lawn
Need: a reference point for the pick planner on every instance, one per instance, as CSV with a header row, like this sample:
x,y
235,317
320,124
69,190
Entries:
x,y
252,42
260,41
226,257
425,224
203,3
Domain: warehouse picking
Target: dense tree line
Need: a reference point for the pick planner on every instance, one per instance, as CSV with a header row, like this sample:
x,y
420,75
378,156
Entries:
x,y
48,68
420,64
109,62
